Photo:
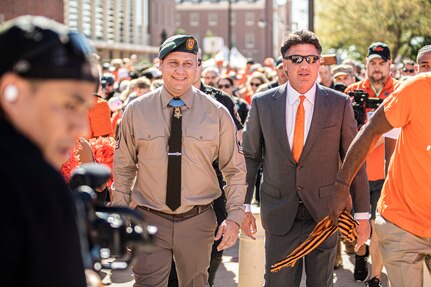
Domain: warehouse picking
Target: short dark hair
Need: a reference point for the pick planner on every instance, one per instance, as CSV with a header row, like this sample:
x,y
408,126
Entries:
x,y
227,78
300,37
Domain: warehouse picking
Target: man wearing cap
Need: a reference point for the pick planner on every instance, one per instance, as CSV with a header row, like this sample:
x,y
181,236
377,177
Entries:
x,y
377,84
169,139
343,74
281,79
46,83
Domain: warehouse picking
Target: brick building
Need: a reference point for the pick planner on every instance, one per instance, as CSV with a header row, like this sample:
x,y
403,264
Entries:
x,y
117,28
255,25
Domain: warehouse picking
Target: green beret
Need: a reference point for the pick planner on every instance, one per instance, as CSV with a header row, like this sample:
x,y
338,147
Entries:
x,y
179,43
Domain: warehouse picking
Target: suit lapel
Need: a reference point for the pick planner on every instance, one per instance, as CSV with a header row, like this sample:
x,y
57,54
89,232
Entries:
x,y
319,116
278,108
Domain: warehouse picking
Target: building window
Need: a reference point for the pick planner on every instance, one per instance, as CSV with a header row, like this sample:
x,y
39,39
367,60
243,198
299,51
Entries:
x,y
232,18
212,19
194,19
249,18
178,19
249,40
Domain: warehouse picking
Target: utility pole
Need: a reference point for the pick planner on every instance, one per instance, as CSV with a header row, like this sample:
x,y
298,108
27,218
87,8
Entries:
x,y
229,29
311,15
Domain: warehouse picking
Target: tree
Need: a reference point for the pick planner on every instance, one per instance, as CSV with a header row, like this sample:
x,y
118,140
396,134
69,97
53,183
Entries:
x,y
352,25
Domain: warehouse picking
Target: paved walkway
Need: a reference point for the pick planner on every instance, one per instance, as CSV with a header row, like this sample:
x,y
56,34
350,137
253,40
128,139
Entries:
x,y
227,275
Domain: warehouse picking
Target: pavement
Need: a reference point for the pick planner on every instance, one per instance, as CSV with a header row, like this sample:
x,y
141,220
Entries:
x,y
227,275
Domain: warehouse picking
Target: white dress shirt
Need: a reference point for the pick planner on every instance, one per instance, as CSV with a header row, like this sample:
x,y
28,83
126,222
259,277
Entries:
x,y
292,103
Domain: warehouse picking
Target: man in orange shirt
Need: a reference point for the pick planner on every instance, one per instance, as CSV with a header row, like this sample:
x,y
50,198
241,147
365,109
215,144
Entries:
x,y
403,225
377,84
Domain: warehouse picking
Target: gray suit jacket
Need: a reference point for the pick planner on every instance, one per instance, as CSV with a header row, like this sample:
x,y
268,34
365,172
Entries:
x,y
333,127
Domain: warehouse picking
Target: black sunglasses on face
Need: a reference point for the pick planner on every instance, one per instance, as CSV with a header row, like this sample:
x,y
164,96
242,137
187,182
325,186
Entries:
x,y
405,70
255,84
199,62
297,59
227,86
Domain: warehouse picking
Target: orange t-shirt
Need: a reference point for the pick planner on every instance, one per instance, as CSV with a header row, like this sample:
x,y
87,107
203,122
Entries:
x,y
406,195
376,159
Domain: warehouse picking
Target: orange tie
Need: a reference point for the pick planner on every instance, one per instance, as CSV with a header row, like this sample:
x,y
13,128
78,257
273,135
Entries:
x,y
298,134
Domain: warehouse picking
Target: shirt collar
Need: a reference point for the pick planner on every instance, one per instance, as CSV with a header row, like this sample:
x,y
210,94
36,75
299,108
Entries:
x,y
187,97
293,95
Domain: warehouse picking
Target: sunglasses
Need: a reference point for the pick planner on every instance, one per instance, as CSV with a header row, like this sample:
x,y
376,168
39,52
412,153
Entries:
x,y
405,70
199,62
227,86
255,84
297,59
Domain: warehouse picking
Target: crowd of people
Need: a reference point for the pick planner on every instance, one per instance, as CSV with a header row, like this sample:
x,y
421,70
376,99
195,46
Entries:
x,y
192,146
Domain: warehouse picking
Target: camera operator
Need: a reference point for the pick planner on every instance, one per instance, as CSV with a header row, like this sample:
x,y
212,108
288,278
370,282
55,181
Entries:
x,y
46,85
377,84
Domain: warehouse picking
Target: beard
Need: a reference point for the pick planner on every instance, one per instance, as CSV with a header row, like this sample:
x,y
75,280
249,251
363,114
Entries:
x,y
377,78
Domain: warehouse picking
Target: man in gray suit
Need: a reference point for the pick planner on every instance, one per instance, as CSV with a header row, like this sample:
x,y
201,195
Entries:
x,y
300,131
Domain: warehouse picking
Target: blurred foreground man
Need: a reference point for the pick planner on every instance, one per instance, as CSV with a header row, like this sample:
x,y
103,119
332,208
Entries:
x,y
46,86
169,140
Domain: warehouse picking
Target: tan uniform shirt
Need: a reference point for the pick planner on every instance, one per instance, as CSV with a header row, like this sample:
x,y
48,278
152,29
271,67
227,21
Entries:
x,y
142,152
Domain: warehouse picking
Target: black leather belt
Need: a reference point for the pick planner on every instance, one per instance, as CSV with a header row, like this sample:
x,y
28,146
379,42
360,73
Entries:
x,y
197,209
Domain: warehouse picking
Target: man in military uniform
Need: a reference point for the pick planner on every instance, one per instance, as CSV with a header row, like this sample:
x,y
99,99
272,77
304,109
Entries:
x,y
219,204
47,79
169,139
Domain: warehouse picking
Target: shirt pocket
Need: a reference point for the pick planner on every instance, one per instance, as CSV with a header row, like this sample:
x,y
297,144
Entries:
x,y
152,143
201,144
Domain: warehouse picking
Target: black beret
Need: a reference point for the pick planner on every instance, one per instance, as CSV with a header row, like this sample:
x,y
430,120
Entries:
x,y
179,43
41,48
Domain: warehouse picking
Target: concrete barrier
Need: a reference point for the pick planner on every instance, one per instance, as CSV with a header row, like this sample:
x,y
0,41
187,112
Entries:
x,y
252,256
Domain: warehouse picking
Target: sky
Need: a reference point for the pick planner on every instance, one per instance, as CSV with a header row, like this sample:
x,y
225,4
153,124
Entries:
x,y
299,14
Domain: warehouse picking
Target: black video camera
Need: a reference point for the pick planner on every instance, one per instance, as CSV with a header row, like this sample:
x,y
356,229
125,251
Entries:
x,y
106,233
361,101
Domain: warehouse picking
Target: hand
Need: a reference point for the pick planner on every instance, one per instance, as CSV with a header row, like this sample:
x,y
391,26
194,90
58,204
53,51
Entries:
x,y
92,278
341,200
363,231
229,230
248,226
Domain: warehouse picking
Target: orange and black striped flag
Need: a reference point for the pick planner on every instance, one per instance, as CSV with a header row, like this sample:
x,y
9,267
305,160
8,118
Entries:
x,y
325,228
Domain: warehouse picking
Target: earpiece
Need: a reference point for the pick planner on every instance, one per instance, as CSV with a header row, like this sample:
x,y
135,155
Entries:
x,y
11,93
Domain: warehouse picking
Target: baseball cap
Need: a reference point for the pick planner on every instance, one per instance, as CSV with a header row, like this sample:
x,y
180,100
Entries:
x,y
178,43
41,48
342,70
379,50
107,79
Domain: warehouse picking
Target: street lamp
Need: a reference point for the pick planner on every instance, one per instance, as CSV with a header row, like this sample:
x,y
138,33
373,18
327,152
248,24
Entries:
x,y
311,15
229,29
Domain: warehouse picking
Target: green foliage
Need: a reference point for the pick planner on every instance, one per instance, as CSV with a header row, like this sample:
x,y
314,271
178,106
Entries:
x,y
350,26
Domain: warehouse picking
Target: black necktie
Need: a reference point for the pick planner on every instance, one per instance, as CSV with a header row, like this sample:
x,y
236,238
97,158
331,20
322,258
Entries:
x,y
173,191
